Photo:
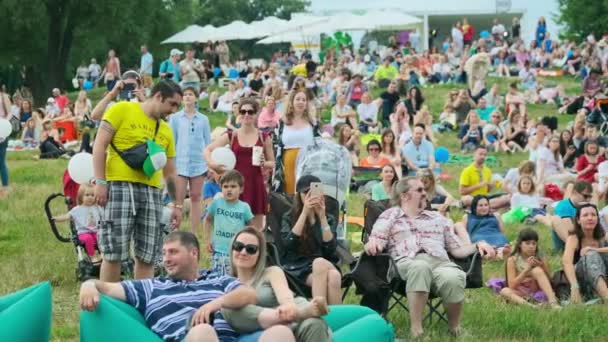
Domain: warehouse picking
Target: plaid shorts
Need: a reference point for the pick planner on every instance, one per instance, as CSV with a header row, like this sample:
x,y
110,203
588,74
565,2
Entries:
x,y
133,210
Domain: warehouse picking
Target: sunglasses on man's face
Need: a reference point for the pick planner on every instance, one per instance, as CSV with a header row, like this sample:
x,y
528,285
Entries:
x,y
420,189
247,112
587,196
239,246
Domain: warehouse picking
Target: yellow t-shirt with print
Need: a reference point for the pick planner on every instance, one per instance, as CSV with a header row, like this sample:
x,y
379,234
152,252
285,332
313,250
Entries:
x,y
470,176
134,127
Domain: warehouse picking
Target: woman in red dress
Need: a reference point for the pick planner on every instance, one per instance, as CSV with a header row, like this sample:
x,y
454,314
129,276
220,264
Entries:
x,y
242,141
586,165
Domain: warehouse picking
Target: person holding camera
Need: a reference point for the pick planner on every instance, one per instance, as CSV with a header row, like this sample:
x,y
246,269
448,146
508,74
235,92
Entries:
x,y
129,88
170,68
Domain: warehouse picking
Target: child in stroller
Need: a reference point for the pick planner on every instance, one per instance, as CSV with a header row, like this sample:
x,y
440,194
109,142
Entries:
x,y
85,216
86,268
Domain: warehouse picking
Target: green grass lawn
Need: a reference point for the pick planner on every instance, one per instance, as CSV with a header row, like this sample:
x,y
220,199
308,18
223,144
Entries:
x,y
30,254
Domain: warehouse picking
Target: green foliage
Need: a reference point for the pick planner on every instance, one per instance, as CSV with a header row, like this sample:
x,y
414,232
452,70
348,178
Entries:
x,y
582,17
218,13
52,37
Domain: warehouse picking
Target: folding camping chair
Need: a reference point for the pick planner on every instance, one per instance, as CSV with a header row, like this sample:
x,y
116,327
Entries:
x,y
379,273
278,205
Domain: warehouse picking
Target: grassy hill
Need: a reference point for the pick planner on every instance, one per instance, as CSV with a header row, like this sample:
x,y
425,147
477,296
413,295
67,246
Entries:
x,y
30,254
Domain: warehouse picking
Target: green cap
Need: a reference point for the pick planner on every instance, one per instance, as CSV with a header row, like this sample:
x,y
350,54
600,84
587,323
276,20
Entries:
x,y
156,160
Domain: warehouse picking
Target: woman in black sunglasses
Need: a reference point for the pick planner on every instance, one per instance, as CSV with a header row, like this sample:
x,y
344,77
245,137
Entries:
x,y
254,158
585,258
276,304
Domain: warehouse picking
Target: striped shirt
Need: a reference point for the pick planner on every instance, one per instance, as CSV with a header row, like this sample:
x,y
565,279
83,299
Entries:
x,y
404,236
167,304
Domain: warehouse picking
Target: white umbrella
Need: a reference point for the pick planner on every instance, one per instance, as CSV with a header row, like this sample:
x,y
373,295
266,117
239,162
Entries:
x,y
235,30
192,33
268,26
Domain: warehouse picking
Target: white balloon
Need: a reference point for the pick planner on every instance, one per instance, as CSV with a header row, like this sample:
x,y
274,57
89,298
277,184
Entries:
x,y
602,169
5,128
224,156
80,168
497,178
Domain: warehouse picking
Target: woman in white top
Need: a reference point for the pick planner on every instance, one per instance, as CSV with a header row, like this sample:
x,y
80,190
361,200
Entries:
x,y
527,196
390,150
368,114
296,131
82,106
400,124
526,168
342,113
550,165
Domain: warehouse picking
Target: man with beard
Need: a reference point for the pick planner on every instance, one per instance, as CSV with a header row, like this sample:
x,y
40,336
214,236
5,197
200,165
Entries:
x,y
419,241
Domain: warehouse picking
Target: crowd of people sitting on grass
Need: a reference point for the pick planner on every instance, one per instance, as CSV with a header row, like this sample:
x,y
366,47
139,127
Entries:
x,y
276,109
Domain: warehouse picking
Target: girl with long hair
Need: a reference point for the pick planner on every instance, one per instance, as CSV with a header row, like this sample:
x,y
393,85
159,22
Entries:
x,y
390,150
585,258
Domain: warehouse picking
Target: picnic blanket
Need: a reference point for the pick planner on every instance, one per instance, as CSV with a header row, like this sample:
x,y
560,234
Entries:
x,y
466,159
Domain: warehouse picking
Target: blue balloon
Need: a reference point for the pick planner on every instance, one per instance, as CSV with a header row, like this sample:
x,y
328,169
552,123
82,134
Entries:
x,y
442,155
87,85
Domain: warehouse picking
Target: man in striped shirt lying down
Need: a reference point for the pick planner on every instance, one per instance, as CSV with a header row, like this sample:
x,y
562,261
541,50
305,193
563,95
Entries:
x,y
185,305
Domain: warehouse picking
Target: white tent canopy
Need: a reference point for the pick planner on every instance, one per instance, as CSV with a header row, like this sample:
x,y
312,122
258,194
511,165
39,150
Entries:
x,y
193,33
370,21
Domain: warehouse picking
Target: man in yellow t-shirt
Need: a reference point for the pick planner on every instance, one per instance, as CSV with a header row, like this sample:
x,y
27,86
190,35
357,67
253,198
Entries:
x,y
132,197
385,72
476,179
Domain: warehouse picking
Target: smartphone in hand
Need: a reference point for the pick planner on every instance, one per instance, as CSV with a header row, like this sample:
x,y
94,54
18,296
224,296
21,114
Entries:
x,y
316,189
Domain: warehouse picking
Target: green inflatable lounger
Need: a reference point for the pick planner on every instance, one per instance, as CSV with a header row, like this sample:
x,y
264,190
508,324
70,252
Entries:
x,y
114,320
25,315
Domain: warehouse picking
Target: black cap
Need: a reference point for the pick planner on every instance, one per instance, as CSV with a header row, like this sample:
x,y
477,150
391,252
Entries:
x,y
303,184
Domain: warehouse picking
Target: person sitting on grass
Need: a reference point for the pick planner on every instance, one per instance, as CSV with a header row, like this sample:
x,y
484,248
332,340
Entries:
x,y
382,190
368,114
476,179
439,198
483,225
226,216
184,306
349,138
390,150
86,215
527,272
526,196
418,153
374,158
585,258
526,168
562,221
471,133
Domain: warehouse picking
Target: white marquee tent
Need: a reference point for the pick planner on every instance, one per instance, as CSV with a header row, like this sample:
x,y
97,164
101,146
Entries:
x,y
240,30
193,33
370,21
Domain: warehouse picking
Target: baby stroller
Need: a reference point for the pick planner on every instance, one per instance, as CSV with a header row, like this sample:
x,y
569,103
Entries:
x,y
329,162
86,268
